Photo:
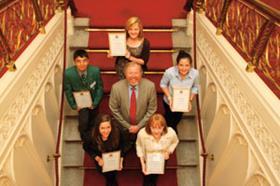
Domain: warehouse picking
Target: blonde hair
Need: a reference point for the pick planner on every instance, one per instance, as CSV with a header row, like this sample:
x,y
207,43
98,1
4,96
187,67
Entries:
x,y
131,21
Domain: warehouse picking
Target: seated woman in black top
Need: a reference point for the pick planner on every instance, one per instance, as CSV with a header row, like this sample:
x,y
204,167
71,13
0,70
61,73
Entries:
x,y
138,47
105,137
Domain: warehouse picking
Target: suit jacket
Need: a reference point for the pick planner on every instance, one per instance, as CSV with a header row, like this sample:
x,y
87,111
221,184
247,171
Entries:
x,y
146,102
73,83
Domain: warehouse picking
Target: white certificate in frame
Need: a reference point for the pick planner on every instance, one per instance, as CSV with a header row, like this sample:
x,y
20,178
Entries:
x,y
155,163
83,99
117,43
180,99
111,161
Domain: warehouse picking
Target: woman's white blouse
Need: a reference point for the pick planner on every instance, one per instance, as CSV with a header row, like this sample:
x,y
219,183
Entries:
x,y
146,143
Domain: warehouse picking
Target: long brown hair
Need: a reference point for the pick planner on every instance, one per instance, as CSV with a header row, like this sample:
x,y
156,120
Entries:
x,y
114,136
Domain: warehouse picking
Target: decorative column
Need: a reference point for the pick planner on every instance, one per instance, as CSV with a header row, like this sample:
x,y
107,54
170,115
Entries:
x,y
9,63
260,45
39,17
222,18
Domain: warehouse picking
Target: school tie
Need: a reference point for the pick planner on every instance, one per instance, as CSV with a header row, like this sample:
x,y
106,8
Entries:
x,y
132,110
84,79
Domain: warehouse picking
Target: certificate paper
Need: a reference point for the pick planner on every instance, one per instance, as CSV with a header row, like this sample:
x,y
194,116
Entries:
x,y
111,161
83,99
117,44
155,163
180,99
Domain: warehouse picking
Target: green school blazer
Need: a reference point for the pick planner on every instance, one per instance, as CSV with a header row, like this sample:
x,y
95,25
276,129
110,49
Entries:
x,y
73,83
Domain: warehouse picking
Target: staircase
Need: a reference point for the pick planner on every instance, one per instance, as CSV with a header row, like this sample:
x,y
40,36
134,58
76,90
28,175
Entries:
x,y
77,168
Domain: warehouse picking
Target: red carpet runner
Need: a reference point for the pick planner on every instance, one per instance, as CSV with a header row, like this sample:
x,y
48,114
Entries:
x,y
154,14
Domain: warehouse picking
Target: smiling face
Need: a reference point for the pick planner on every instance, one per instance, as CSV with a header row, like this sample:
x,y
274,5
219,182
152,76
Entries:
x,y
105,129
133,74
157,130
184,66
133,31
81,63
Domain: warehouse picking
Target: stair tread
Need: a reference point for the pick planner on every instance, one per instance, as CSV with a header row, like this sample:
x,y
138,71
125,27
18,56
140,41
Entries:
x,y
188,176
160,40
157,61
127,167
187,129
179,23
187,153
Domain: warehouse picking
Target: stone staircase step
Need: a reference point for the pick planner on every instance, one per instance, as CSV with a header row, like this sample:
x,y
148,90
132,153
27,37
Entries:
x,y
71,129
81,21
72,177
187,129
73,153
126,167
188,176
181,23
187,153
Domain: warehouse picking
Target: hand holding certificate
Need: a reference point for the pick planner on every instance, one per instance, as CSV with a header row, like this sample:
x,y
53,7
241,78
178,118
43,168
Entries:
x,y
180,99
117,44
83,99
155,163
112,161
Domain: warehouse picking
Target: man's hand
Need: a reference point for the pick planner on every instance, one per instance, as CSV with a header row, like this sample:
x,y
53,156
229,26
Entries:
x,y
133,129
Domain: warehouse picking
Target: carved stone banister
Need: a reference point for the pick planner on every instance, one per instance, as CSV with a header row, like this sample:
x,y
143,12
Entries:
x,y
39,17
222,18
260,45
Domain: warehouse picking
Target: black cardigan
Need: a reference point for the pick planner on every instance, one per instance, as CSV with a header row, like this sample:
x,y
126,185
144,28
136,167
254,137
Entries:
x,y
91,147
145,54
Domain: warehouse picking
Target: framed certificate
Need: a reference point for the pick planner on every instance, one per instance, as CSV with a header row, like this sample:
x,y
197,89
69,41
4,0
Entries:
x,y
180,99
111,161
155,163
83,99
117,44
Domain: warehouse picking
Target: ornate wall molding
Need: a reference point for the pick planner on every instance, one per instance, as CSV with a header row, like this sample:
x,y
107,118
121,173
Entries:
x,y
253,125
29,83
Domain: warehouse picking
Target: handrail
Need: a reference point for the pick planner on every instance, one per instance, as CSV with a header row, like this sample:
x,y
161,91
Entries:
x,y
257,45
204,153
61,114
262,8
16,24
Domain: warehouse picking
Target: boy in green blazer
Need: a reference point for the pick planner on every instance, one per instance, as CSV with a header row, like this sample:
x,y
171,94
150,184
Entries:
x,y
83,77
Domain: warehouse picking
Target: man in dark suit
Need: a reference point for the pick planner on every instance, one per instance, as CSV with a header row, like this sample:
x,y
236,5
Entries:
x,y
83,77
133,100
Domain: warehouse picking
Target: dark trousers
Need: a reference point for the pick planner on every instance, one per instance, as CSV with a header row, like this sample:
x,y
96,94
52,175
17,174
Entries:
x,y
111,178
172,118
150,180
86,121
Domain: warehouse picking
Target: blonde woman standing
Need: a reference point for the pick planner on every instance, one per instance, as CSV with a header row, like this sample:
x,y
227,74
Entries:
x,y
138,47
